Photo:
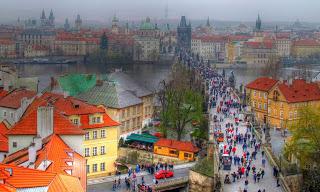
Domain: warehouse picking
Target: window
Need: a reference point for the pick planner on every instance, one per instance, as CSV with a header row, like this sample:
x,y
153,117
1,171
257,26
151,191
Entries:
x,y
76,121
254,93
128,112
87,136
253,104
98,119
260,95
95,134
186,155
127,124
86,152
94,151
11,115
102,166
265,95
88,168
94,168
14,144
4,113
295,114
260,106
103,133
281,114
265,106
290,115
134,122
102,150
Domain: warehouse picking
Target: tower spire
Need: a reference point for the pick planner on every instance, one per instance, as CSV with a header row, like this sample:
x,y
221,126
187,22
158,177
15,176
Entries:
x,y
208,22
43,15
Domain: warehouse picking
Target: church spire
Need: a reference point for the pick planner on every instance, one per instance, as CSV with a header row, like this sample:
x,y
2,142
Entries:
x,y
258,23
208,22
43,15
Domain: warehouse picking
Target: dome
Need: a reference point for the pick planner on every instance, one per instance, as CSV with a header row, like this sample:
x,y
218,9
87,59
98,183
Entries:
x,y
147,25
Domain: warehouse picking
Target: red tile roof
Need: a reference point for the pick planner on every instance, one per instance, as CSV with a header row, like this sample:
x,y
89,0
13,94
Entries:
x,y
300,91
178,145
30,178
55,150
72,106
3,93
306,42
259,45
262,84
13,99
61,125
4,146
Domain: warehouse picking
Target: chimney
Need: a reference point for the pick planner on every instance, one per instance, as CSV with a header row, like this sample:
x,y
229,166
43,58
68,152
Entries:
x,y
281,80
65,94
32,151
44,121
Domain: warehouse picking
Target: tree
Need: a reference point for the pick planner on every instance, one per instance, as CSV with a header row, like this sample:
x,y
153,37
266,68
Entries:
x,y
271,69
305,145
180,100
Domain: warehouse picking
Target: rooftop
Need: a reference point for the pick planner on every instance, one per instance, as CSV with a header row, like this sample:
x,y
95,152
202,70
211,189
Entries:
x,y
13,98
300,91
262,84
178,145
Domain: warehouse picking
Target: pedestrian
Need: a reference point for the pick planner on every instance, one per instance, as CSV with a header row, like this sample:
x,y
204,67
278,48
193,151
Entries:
x,y
114,185
262,153
262,173
263,162
278,182
255,177
142,180
258,176
119,183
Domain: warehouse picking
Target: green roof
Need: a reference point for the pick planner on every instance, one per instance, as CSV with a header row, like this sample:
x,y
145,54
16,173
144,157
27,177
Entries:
x,y
147,25
75,84
147,138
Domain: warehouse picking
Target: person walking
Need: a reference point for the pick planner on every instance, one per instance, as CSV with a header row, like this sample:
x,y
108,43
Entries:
x,y
263,162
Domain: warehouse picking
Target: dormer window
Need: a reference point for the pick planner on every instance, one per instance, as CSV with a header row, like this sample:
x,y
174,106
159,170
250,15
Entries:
x,y
77,106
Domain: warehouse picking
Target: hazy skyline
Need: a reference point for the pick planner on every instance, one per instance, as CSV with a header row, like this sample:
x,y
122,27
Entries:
x,y
103,10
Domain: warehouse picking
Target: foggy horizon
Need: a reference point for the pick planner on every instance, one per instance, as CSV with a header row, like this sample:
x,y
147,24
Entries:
x,y
103,11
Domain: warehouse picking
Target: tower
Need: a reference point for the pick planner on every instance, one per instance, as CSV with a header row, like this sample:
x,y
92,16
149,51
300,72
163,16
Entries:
x,y
43,18
126,30
78,23
258,24
51,19
184,34
115,28
66,25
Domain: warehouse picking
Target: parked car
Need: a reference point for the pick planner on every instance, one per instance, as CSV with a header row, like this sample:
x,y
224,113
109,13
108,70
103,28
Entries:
x,y
163,174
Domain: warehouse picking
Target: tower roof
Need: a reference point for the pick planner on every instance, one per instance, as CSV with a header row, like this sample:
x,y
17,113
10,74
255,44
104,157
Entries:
x,y
43,15
208,22
258,23
51,17
183,22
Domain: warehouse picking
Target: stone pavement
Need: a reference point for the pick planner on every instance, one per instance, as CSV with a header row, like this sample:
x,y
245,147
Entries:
x,y
143,173
268,182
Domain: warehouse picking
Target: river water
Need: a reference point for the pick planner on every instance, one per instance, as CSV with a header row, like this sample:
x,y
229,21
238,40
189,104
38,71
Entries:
x,y
147,75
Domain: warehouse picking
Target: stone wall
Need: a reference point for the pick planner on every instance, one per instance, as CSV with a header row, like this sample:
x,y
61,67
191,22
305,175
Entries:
x,y
294,182
200,183
145,156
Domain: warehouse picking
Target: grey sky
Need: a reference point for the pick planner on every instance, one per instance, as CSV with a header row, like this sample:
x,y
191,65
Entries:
x,y
103,10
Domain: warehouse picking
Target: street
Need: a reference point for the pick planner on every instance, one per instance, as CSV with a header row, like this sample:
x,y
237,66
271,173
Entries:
x,y
107,186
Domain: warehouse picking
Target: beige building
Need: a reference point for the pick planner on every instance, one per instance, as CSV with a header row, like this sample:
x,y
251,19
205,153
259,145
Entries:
x,y
7,48
258,54
147,42
283,46
75,46
125,101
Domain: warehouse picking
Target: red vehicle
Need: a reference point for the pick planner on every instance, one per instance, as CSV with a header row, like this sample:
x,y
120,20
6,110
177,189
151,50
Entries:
x,y
163,174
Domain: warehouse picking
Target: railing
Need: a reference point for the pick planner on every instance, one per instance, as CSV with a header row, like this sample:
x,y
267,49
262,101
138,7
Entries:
x,y
172,183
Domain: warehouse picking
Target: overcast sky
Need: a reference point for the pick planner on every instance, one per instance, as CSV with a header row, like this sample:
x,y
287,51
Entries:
x,y
103,10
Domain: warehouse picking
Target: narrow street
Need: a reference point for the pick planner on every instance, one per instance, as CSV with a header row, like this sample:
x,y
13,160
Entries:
x,y
226,111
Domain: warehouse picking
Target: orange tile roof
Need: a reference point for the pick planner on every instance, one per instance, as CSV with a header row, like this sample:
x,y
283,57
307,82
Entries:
x,y
3,93
178,145
26,178
4,146
300,91
61,125
55,150
13,98
306,42
30,178
72,106
262,84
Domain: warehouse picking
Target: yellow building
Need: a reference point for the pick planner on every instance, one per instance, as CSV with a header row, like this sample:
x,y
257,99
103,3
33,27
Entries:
x,y
286,98
306,47
183,150
100,143
258,54
258,92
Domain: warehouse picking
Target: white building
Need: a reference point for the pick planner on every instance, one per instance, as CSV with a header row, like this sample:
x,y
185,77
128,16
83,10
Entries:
x,y
14,104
